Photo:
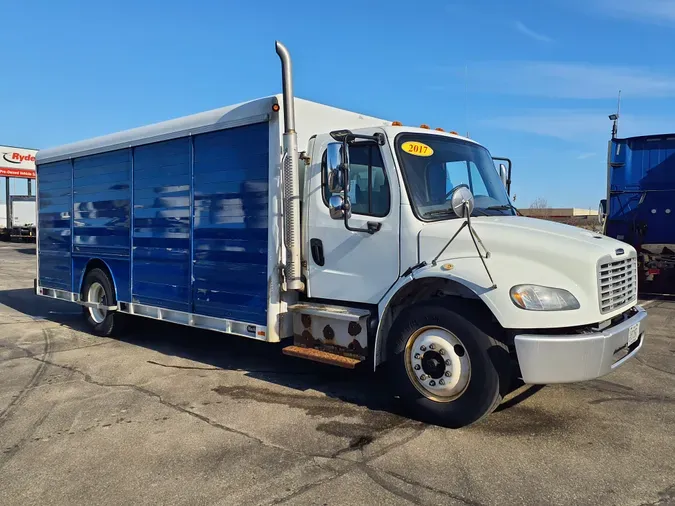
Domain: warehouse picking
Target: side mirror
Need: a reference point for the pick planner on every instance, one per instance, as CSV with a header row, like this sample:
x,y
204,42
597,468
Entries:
x,y
335,163
503,174
602,211
337,207
462,201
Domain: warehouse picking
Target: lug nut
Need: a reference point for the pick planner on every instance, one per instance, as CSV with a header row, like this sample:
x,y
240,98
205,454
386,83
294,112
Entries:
x,y
417,367
447,362
432,346
441,381
441,351
423,377
423,348
447,374
417,356
432,383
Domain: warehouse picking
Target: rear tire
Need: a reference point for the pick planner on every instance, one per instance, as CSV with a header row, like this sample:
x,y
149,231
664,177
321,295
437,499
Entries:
x,y
98,287
445,370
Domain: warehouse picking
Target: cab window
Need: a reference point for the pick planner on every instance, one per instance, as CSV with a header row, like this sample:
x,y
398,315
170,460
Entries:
x,y
368,183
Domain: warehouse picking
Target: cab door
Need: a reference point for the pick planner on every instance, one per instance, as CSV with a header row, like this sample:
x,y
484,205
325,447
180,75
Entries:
x,y
344,265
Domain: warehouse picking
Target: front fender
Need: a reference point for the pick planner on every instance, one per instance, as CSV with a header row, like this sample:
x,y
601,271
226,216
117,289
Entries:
x,y
471,287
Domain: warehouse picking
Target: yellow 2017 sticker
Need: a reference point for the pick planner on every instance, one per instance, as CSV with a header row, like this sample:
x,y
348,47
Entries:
x,y
417,148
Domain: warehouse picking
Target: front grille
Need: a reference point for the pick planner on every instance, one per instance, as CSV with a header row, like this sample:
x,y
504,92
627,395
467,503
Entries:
x,y
617,284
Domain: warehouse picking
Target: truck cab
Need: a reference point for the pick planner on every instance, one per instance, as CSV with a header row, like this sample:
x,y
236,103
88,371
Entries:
x,y
413,257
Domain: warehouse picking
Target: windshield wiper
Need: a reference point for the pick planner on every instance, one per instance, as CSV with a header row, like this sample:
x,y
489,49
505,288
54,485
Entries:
x,y
438,212
442,212
503,207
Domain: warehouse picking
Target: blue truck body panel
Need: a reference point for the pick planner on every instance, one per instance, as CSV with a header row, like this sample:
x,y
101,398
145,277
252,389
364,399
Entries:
x,y
641,205
181,224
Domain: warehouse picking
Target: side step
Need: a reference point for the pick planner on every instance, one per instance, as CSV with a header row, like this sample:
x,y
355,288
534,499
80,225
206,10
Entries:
x,y
333,312
321,356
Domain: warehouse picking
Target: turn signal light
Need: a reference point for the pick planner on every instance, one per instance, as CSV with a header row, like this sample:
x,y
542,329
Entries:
x,y
424,126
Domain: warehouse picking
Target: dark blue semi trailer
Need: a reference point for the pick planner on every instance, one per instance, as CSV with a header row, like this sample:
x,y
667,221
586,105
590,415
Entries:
x,y
640,205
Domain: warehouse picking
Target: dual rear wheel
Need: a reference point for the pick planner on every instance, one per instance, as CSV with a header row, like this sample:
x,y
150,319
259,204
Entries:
x,y
98,289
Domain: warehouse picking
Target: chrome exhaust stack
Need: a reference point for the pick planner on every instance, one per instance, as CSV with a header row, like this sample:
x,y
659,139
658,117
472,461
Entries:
x,y
290,177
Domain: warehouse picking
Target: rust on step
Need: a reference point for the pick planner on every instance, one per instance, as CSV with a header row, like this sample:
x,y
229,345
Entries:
x,y
321,356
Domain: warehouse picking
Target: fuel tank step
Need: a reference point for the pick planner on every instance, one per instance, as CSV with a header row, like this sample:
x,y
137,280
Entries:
x,y
321,356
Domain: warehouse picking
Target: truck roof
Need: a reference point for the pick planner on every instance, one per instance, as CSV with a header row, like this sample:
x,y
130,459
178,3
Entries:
x,y
309,114
311,117
669,137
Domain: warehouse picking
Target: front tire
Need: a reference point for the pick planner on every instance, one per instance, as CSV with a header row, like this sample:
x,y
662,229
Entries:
x,y
445,370
99,288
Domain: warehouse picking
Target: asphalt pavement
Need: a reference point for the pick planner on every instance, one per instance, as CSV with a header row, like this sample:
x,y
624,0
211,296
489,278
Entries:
x,y
173,415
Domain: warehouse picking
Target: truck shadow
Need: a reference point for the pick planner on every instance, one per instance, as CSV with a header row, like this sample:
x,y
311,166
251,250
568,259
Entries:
x,y
208,350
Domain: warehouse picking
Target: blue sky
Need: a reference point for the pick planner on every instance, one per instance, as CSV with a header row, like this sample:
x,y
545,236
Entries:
x,y
532,80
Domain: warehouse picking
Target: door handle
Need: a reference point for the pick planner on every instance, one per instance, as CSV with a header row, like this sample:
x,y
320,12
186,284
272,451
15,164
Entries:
x,y
316,246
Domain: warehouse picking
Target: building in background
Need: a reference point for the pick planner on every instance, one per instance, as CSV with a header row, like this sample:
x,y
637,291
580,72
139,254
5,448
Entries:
x,y
17,201
584,218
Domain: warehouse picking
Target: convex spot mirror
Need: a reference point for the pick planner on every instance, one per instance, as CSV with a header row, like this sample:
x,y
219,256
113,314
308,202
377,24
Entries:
x,y
462,201
337,207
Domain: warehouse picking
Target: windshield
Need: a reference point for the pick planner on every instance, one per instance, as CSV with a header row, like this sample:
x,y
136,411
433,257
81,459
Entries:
x,y
433,165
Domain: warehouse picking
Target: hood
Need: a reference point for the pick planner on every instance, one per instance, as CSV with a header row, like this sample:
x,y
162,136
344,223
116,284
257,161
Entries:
x,y
516,235
527,251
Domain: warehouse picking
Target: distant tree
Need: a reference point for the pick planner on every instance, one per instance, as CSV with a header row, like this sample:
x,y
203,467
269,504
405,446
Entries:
x,y
539,203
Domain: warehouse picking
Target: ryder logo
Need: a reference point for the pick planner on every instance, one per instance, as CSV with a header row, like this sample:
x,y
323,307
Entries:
x,y
17,158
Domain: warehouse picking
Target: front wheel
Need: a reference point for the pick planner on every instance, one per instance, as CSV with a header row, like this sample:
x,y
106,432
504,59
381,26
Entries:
x,y
445,369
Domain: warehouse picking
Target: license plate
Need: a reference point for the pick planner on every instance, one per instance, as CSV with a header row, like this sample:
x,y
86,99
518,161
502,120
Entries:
x,y
633,333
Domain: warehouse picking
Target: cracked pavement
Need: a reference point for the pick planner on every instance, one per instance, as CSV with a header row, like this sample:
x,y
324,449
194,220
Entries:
x,y
172,415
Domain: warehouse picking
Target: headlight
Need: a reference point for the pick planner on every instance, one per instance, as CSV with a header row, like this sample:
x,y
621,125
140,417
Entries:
x,y
543,298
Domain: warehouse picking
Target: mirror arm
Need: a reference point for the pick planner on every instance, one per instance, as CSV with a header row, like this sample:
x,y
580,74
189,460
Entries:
x,y
474,236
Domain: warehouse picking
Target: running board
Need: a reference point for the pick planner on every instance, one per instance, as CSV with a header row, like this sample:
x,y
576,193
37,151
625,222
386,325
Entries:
x,y
321,356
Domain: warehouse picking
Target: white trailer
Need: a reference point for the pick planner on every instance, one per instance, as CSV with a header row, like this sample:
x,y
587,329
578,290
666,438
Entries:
x,y
362,240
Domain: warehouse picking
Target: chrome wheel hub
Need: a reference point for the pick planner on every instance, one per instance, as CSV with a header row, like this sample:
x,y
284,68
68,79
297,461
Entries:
x,y
437,364
96,294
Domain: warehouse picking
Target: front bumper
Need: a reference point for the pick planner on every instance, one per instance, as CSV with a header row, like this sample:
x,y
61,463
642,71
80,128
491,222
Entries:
x,y
578,357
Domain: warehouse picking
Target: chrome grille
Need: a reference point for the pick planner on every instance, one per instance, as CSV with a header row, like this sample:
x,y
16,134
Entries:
x,y
617,283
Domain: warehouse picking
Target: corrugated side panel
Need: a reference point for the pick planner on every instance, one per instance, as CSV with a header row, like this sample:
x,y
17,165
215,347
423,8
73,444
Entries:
x,y
641,190
230,223
54,215
161,241
101,187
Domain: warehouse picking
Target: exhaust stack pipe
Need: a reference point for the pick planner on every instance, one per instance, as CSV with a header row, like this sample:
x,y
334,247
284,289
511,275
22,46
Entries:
x,y
290,177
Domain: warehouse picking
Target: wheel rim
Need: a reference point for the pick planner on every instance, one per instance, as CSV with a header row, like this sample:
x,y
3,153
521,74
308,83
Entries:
x,y
437,364
96,294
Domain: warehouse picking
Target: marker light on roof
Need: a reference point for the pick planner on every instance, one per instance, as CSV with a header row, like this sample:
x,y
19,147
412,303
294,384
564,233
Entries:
x,y
424,126
396,123
439,129
454,133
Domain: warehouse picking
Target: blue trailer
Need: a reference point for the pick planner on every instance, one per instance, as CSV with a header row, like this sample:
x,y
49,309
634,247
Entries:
x,y
640,205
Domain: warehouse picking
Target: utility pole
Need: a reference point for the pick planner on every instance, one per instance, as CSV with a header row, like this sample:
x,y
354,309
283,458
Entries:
x,y
615,118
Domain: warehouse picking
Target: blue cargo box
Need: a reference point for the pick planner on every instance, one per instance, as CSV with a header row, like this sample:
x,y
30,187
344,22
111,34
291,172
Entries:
x,y
177,216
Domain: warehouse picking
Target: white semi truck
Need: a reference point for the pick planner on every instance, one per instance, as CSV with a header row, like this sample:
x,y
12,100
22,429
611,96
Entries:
x,y
362,240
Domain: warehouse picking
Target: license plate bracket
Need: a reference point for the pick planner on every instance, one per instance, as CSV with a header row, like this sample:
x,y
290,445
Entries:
x,y
633,333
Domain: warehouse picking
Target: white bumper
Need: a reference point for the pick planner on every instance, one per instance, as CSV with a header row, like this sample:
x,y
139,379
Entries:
x,y
578,357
